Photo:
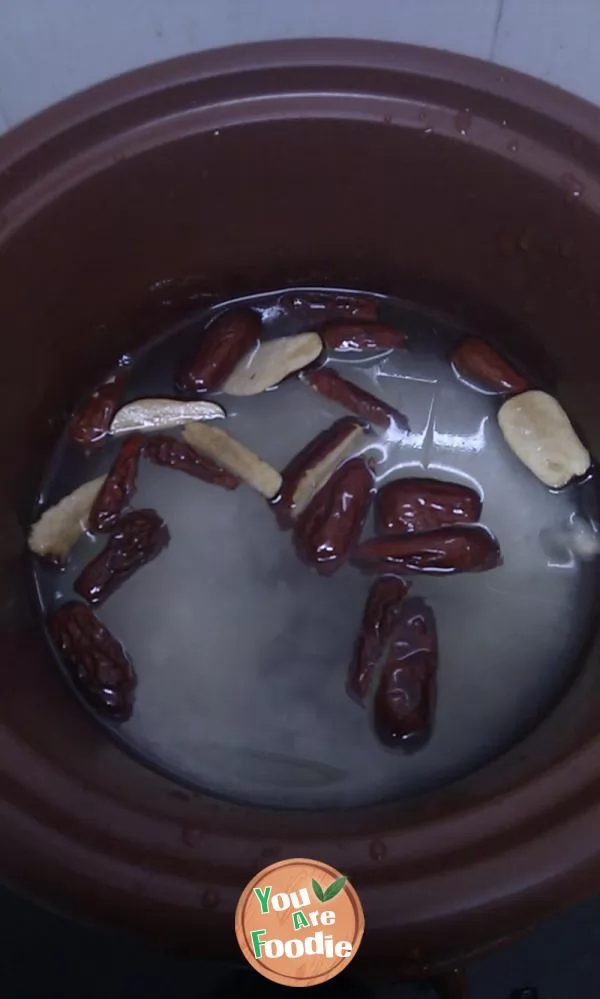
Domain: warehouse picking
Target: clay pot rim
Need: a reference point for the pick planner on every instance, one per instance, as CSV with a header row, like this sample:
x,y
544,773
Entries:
x,y
570,110
564,798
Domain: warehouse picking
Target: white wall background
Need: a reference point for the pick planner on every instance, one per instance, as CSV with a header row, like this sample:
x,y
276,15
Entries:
x,y
52,48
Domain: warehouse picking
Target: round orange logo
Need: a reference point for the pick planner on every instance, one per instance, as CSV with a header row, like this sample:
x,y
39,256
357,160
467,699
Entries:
x,y
299,922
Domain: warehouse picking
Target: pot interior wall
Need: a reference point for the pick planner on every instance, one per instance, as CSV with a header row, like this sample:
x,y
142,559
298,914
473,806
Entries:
x,y
113,244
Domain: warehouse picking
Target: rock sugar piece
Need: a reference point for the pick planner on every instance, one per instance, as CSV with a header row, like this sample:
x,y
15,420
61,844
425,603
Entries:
x,y
220,447
448,550
60,527
223,344
99,665
414,504
161,414
314,465
478,363
330,526
404,704
380,614
539,432
269,363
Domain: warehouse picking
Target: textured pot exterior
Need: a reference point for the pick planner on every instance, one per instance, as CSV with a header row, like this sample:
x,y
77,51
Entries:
x,y
356,164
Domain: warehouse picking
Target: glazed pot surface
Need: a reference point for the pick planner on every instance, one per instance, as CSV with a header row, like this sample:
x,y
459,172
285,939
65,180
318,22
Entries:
x,y
404,171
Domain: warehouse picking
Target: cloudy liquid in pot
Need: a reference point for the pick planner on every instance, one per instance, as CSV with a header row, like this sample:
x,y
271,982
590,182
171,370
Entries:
x,y
241,651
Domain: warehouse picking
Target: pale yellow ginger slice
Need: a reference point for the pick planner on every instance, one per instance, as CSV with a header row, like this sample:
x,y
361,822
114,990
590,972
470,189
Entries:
x,y
212,442
537,429
318,475
60,527
269,363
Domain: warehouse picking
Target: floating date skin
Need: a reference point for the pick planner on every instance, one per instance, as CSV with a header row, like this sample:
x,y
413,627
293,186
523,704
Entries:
x,y
224,343
307,464
331,524
119,487
355,337
381,612
91,424
95,659
330,384
477,362
448,550
138,538
407,505
323,306
404,704
172,453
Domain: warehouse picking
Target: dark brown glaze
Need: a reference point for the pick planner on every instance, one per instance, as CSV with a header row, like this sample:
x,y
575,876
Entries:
x,y
405,700
119,486
355,337
95,659
306,465
138,538
453,984
327,382
381,611
449,550
477,362
330,526
171,452
407,505
91,423
223,344
325,306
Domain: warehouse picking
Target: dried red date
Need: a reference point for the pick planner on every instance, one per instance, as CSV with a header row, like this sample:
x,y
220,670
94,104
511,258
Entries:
x,y
405,700
357,337
138,538
95,659
407,505
323,306
314,465
380,613
330,384
449,550
173,453
119,486
90,425
479,363
224,343
331,524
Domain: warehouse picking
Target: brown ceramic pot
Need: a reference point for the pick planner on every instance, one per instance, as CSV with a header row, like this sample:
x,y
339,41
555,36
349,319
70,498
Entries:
x,y
408,171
